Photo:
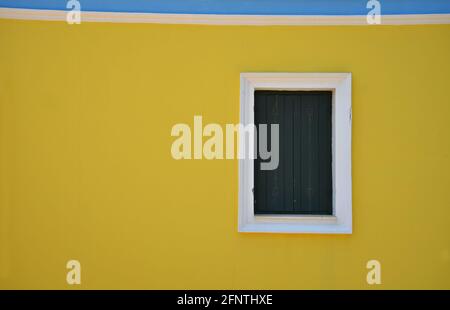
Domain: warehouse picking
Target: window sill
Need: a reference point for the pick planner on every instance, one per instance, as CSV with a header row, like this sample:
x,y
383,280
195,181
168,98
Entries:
x,y
309,224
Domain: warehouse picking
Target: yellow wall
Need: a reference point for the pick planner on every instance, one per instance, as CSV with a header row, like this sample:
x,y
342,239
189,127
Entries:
x,y
86,171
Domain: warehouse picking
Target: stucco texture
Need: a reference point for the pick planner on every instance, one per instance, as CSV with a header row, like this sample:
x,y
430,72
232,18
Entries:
x,y
86,170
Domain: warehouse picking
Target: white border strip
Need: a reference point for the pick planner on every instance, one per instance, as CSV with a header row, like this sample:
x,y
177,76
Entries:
x,y
211,19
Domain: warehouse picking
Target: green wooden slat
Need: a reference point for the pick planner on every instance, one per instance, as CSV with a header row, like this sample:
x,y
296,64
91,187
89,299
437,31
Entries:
x,y
325,157
309,163
260,189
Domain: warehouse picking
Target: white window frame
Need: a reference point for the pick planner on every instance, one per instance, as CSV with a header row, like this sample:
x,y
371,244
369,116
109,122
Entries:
x,y
340,222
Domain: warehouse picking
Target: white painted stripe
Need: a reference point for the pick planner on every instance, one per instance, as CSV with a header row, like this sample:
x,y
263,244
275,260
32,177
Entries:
x,y
211,19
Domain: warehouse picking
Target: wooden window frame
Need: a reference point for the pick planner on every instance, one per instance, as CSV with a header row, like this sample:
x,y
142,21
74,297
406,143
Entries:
x,y
341,220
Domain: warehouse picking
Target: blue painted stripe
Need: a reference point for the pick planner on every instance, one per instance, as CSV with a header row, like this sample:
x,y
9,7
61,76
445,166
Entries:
x,y
251,7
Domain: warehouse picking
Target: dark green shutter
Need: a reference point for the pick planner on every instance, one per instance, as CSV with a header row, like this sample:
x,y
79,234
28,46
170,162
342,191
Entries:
x,y
302,183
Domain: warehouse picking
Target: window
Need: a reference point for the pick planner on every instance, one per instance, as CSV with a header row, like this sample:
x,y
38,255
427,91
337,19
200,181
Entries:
x,y
302,182
310,191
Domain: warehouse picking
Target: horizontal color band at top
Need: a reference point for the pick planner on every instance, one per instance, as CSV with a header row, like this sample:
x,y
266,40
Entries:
x,y
214,19
242,7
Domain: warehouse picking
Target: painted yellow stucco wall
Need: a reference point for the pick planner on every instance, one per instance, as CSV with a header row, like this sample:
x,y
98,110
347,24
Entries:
x,y
86,170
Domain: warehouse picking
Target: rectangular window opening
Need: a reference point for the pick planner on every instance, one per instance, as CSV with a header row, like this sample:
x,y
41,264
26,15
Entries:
x,y
302,183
